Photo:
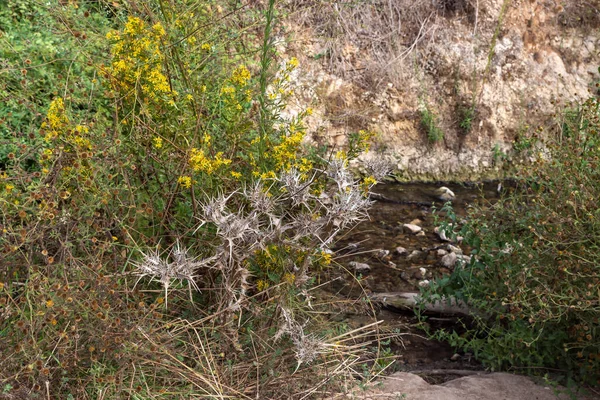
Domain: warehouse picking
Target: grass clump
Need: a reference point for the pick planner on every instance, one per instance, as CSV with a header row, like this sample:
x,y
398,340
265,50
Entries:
x,y
429,123
534,274
161,223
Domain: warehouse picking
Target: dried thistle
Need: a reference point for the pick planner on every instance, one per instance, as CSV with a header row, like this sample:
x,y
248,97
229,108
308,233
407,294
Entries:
x,y
182,267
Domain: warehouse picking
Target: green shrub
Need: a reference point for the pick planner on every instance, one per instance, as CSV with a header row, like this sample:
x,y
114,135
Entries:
x,y
466,115
429,123
534,274
161,222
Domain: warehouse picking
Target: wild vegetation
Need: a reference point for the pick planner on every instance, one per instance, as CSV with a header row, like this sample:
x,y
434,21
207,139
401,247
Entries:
x,y
160,222
162,225
534,273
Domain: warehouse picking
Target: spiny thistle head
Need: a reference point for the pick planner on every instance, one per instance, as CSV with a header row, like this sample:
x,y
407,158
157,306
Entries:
x,y
182,267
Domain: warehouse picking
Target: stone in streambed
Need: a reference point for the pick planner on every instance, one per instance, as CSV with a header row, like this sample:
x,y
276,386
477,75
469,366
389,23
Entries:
x,y
401,251
454,249
415,255
444,194
411,228
359,267
449,260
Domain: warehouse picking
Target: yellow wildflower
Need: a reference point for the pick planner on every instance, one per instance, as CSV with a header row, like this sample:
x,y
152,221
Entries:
x,y
185,181
289,278
200,162
158,29
262,285
134,26
292,63
157,142
240,75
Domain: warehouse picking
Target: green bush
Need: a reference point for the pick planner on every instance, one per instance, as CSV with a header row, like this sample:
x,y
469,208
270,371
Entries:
x,y
534,275
429,123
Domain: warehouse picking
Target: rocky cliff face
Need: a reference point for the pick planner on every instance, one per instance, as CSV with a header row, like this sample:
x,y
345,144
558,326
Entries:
x,y
488,73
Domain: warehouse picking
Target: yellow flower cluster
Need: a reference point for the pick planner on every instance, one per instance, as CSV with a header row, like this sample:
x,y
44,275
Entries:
x,y
137,60
367,183
201,163
185,181
325,258
289,277
240,76
261,285
291,64
56,119
285,153
364,139
58,125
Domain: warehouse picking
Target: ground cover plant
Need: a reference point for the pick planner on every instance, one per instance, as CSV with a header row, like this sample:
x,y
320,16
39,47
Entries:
x,y
160,222
534,274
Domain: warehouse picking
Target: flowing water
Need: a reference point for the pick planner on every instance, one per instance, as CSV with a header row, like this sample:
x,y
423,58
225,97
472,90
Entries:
x,y
405,203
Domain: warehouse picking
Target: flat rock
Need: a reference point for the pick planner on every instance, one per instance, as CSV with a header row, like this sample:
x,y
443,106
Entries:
x,y
411,228
495,386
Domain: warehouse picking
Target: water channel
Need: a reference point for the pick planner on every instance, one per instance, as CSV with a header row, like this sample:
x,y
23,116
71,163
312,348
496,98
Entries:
x,y
375,242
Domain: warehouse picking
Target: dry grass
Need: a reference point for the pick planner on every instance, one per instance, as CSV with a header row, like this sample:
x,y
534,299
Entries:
x,y
372,42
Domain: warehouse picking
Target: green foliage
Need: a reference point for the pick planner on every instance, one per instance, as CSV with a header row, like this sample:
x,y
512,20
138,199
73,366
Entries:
x,y
429,123
525,141
466,115
121,130
498,155
38,66
534,272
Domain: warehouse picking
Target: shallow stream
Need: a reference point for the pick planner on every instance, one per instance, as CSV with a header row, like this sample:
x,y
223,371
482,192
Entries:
x,y
375,243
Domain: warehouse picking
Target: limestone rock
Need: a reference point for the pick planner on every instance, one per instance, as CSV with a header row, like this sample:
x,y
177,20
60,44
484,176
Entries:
x,y
359,267
415,255
411,228
445,194
454,249
495,386
449,260
401,251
